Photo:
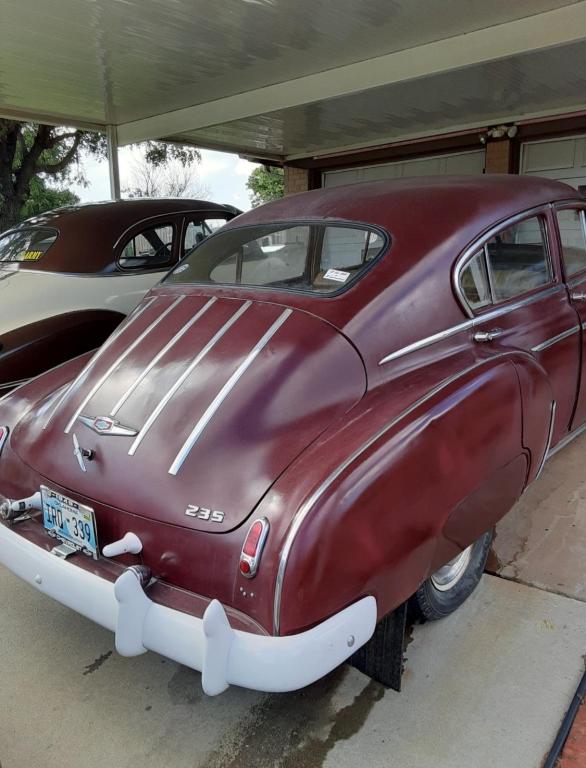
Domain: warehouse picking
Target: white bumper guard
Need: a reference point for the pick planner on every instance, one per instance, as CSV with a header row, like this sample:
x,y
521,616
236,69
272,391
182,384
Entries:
x,y
224,655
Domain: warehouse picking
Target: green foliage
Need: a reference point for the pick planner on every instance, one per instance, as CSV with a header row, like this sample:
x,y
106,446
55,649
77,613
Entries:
x,y
265,184
31,153
44,198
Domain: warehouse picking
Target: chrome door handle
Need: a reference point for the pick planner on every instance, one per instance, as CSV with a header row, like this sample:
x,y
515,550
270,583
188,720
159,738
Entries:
x,y
481,336
578,296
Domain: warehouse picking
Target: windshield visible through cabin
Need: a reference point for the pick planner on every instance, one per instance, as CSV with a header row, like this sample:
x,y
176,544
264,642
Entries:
x,y
318,258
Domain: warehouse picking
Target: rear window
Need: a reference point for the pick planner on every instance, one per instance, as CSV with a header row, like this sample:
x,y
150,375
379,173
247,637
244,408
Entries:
x,y
316,258
26,244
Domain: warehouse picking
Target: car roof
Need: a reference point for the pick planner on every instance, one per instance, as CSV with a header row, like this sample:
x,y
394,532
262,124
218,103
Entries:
x,y
456,199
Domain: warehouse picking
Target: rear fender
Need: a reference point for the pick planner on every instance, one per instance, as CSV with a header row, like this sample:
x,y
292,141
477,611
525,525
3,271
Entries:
x,y
381,526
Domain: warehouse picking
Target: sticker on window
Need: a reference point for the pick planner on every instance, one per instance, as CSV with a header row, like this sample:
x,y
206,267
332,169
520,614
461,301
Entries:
x,y
336,274
32,255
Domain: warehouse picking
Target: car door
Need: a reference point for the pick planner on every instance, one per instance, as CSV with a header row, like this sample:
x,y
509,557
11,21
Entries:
x,y
572,242
513,285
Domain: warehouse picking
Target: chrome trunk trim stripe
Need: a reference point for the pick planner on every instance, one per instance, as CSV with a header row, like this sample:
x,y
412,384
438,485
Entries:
x,y
99,354
554,339
186,373
225,391
119,360
308,505
161,354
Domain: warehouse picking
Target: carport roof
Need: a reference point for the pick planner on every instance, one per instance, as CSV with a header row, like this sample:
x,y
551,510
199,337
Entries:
x,y
281,80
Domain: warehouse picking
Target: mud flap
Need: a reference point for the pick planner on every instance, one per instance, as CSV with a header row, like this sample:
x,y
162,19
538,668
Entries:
x,y
382,656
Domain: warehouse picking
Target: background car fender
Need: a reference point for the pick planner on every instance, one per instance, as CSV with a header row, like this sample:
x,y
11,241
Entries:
x,y
27,351
405,502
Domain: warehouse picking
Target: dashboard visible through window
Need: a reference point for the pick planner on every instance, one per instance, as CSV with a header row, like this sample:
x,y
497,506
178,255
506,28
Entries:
x,y
150,249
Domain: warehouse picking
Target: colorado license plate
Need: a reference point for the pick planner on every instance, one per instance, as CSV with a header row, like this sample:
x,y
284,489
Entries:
x,y
69,521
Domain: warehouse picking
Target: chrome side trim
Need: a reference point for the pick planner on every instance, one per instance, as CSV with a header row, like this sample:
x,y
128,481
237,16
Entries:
x,y
472,323
186,373
104,348
159,355
554,339
549,438
214,406
566,440
427,341
307,506
119,360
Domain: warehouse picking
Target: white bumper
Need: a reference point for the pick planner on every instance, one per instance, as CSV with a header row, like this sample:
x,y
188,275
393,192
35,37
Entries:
x,y
224,655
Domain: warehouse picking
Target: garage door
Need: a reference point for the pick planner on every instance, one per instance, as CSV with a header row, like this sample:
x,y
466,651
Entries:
x,y
562,159
460,163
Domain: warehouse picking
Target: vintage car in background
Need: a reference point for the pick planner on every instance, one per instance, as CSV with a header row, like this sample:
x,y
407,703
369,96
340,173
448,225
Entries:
x,y
319,415
70,276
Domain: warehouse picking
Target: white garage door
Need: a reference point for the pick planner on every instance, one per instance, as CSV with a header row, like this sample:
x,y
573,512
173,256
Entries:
x,y
438,165
561,159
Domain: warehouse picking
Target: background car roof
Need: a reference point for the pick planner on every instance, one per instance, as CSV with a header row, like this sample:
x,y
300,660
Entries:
x,y
88,232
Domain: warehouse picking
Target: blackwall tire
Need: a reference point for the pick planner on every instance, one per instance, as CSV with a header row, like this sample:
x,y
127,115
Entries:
x,y
446,589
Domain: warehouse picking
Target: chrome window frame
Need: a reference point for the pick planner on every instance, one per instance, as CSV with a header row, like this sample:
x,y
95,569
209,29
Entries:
x,y
570,205
481,244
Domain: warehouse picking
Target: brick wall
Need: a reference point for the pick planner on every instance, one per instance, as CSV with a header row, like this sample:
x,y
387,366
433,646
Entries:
x,y
499,156
296,180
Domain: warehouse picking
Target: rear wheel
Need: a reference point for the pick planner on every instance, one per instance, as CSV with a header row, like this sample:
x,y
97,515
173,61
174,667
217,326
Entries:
x,y
439,595
447,588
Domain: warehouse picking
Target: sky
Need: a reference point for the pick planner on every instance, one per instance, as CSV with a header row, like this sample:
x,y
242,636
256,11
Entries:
x,y
222,175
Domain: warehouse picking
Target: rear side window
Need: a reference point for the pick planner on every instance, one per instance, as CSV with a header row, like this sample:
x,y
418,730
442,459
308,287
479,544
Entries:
x,y
150,249
571,225
513,262
316,258
26,245
198,230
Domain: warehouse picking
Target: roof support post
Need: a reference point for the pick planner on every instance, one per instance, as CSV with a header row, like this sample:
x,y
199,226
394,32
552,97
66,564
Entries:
x,y
112,135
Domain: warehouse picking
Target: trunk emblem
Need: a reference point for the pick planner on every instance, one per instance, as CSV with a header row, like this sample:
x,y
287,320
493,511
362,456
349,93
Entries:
x,y
104,425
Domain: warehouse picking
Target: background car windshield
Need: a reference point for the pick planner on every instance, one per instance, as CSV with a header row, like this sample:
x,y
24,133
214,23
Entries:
x,y
317,258
26,244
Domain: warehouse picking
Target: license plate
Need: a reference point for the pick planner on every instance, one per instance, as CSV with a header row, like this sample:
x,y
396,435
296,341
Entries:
x,y
69,521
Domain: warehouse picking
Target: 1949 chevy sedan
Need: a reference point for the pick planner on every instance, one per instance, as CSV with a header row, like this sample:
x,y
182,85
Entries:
x,y
70,276
320,414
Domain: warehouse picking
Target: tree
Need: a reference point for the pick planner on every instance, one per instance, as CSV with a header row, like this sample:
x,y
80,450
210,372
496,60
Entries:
x,y
265,184
171,178
44,198
30,151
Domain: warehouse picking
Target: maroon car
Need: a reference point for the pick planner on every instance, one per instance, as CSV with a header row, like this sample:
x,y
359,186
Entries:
x,y
319,415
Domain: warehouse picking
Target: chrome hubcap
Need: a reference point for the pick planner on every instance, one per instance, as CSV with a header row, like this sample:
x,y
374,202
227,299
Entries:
x,y
451,573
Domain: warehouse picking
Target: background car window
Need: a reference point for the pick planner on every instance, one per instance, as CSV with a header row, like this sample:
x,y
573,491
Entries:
x,y
474,282
26,244
150,249
309,257
198,230
571,223
518,260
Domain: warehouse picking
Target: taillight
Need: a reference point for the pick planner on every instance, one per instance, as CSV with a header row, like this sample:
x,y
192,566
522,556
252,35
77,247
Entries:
x,y
3,437
253,546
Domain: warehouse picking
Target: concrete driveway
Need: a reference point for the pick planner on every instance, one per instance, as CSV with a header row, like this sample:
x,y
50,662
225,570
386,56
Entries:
x,y
485,687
